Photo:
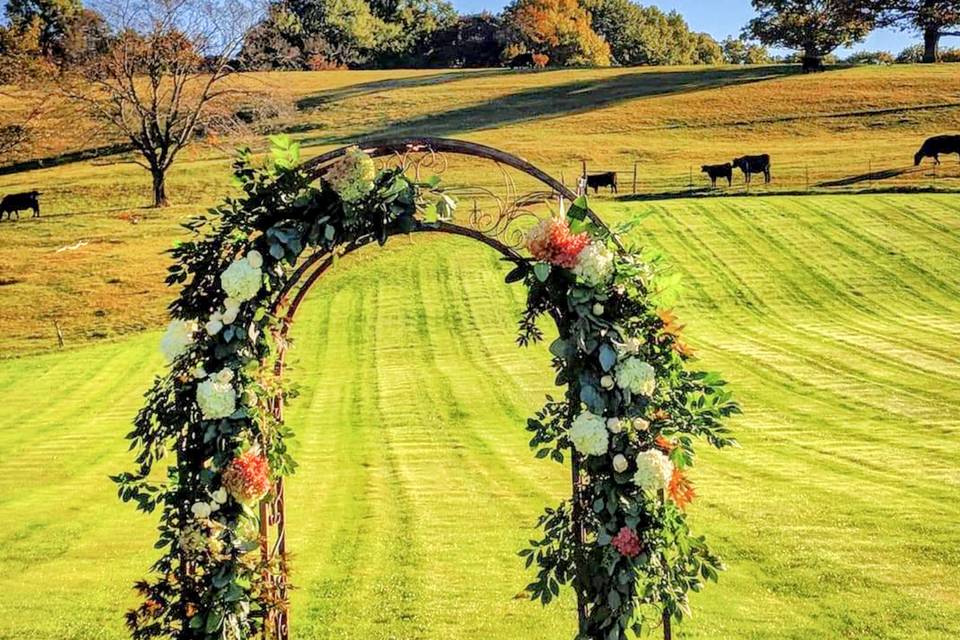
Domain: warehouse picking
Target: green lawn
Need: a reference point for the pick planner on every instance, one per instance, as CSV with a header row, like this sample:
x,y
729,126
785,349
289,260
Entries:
x,y
837,319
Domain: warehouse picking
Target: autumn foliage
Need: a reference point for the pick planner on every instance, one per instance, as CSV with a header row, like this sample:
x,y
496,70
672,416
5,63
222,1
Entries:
x,y
561,29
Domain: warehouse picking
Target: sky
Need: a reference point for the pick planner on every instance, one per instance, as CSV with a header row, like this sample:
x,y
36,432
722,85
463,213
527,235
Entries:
x,y
721,18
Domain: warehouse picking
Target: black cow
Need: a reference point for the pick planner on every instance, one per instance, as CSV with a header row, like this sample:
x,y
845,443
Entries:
x,y
606,179
936,146
717,171
17,202
521,61
754,164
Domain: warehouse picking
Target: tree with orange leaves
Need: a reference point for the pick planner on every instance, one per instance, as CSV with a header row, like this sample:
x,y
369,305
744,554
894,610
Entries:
x,y
560,29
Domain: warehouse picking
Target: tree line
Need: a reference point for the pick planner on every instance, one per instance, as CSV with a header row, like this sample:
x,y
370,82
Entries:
x,y
154,73
329,34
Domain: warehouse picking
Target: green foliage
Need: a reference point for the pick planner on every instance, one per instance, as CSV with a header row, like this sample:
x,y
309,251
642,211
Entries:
x,y
620,594
816,27
220,590
54,18
645,35
741,51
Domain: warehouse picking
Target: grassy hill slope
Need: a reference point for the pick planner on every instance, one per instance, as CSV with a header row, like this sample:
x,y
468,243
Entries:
x,y
835,318
840,124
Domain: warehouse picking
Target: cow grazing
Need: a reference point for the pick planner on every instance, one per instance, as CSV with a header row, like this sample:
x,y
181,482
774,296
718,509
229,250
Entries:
x,y
754,164
522,61
717,171
936,146
17,202
606,179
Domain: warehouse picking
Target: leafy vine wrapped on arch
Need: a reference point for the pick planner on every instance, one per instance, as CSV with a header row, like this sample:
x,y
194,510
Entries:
x,y
627,422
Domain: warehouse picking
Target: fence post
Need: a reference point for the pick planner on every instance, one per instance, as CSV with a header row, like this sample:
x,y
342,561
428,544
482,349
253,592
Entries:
x,y
56,324
634,177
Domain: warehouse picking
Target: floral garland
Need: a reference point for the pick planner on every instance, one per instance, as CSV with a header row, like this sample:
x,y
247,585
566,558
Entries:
x,y
629,415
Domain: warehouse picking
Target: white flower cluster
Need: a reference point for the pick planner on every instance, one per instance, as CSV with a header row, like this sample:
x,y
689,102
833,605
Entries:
x,y
202,510
178,337
654,470
243,278
636,375
352,177
595,264
588,433
216,396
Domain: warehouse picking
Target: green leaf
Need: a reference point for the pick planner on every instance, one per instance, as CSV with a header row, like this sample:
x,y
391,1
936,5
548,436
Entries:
x,y
518,273
608,357
542,271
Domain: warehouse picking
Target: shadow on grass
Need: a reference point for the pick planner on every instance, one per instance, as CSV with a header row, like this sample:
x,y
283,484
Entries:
x,y
366,88
576,97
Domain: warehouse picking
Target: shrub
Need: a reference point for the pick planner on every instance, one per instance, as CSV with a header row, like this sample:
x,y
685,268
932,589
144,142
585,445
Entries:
x,y
871,57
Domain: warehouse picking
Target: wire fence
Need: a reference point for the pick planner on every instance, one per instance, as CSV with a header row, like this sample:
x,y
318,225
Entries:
x,y
643,178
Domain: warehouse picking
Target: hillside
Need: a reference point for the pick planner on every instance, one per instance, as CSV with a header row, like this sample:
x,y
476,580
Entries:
x,y
668,120
834,317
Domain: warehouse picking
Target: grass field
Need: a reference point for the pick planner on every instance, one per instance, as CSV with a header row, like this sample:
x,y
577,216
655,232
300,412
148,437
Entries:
x,y
837,319
834,125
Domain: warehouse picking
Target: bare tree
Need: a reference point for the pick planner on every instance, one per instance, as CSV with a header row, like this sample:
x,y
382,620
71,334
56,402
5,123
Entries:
x,y
162,77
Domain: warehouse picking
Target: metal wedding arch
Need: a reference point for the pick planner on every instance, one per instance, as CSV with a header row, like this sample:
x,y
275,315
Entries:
x,y
496,214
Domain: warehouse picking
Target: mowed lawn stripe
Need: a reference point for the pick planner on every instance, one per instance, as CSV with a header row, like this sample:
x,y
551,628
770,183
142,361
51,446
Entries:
x,y
836,518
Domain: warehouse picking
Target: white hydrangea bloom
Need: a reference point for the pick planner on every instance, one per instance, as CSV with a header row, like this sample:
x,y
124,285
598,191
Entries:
x,y
230,311
353,175
201,509
215,324
224,376
215,398
241,280
630,346
255,258
178,337
620,463
636,375
654,470
614,425
588,433
595,265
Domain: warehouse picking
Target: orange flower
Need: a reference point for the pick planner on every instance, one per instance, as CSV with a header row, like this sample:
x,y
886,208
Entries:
x,y
552,241
247,477
665,445
681,489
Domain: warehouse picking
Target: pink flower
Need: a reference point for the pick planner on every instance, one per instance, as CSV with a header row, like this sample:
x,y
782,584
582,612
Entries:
x,y
551,241
247,477
627,543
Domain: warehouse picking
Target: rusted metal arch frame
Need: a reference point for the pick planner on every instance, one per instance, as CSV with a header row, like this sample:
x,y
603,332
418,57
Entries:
x,y
312,269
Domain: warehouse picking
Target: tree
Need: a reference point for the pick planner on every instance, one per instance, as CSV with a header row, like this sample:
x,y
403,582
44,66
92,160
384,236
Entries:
x,y
708,50
933,18
560,29
815,27
54,18
408,27
161,78
472,41
870,57
740,51
640,35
